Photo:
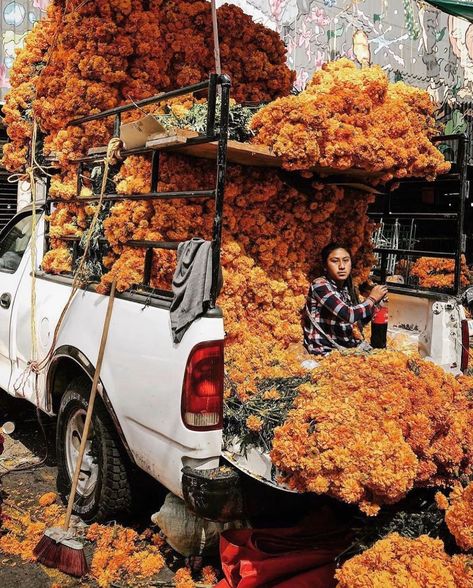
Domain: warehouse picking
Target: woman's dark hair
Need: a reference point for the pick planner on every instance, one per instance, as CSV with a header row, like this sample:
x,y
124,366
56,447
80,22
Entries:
x,y
327,250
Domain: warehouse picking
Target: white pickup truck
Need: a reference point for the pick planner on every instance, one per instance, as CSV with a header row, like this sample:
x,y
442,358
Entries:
x,y
150,412
161,404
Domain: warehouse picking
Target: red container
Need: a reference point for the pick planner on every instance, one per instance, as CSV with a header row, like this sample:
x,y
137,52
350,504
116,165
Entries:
x,y
379,327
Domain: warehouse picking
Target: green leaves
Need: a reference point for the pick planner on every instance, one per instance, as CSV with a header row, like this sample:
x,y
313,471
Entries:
x,y
272,412
196,119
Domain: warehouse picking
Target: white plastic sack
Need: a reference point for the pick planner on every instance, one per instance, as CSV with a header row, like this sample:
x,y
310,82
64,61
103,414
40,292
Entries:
x,y
187,533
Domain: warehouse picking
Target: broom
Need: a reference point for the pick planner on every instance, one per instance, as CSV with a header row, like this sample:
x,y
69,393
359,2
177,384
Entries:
x,y
58,548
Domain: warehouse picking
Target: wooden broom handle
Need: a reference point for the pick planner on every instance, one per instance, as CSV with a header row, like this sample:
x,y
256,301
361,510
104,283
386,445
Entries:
x,y
90,408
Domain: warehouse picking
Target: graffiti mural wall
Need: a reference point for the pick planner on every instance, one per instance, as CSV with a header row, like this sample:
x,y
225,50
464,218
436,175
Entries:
x,y
17,18
411,40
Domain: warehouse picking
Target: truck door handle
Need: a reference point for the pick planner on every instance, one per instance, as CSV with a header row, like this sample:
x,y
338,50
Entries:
x,y
5,300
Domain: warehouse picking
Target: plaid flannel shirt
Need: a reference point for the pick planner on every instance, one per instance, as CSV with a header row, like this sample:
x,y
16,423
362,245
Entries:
x,y
332,309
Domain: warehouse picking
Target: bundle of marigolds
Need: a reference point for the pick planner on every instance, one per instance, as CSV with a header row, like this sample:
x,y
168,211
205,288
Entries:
x,y
354,118
459,514
368,428
399,562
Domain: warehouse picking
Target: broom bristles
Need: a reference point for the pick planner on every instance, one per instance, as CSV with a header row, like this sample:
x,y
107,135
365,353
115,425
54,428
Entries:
x,y
72,561
57,550
47,552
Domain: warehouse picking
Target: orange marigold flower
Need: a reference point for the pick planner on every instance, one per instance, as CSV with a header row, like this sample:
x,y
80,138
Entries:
x,y
254,423
441,500
183,579
47,499
57,261
272,394
459,516
209,575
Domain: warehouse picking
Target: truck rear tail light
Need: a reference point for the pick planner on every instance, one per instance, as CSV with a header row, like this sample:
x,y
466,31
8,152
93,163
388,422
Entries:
x,y
465,344
202,391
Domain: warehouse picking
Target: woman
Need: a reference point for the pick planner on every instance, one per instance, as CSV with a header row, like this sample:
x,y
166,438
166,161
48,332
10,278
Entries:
x,y
332,311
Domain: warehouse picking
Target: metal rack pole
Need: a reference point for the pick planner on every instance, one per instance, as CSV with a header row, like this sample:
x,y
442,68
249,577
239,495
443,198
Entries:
x,y
461,237
220,186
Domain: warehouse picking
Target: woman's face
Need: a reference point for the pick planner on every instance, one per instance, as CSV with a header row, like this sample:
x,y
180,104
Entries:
x,y
339,265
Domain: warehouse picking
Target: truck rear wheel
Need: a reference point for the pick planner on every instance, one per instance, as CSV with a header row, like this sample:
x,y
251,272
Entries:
x,y
104,487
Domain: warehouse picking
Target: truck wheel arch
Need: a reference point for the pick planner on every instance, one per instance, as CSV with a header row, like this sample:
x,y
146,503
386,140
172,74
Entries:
x,y
67,364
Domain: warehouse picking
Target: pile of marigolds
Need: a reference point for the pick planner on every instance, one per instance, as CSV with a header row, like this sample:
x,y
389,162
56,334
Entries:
x,y
400,562
369,428
120,553
351,118
365,429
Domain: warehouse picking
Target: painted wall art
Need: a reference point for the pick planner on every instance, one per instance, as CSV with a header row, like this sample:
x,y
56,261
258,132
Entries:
x,y
17,18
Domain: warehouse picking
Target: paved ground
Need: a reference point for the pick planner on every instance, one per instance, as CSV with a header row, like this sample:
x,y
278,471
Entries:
x,y
22,489
25,446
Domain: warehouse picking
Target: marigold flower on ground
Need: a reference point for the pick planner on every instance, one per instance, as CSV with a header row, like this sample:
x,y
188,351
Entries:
x,y
47,499
183,579
121,552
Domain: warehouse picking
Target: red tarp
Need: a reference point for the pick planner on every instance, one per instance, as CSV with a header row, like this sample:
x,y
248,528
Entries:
x,y
300,557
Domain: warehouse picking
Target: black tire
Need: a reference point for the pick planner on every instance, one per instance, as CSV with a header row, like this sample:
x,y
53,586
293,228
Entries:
x,y
110,493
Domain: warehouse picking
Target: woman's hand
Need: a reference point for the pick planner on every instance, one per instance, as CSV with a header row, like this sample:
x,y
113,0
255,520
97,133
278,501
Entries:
x,y
378,293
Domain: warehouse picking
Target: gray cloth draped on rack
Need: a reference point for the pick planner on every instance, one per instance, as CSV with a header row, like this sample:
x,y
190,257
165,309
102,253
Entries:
x,y
191,285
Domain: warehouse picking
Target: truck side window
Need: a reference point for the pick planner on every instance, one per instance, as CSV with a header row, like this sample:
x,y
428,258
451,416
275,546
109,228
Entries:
x,y
13,245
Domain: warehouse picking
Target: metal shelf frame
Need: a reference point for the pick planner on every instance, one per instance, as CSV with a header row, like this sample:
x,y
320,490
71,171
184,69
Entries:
x,y
459,176
217,85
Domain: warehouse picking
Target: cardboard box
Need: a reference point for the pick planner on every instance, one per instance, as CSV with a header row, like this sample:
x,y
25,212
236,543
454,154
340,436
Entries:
x,y
135,134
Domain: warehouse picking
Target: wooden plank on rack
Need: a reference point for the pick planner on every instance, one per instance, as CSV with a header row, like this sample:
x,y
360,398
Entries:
x,y
251,154
240,153
97,150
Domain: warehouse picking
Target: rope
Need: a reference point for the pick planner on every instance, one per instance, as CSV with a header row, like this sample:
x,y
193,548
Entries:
x,y
79,277
34,341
